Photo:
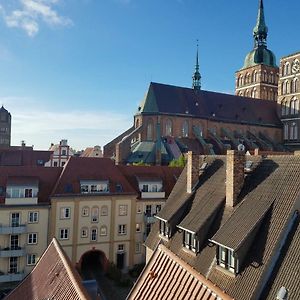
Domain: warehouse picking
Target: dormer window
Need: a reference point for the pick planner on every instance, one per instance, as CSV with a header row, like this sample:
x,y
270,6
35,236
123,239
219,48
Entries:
x,y
92,186
151,188
189,241
164,229
226,259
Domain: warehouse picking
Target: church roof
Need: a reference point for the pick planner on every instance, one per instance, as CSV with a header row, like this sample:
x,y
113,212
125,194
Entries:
x,y
187,102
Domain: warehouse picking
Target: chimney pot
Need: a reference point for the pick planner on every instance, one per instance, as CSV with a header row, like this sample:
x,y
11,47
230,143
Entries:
x,y
193,169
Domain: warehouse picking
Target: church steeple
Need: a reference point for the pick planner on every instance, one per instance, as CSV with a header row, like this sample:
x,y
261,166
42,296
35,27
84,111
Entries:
x,y
197,76
260,31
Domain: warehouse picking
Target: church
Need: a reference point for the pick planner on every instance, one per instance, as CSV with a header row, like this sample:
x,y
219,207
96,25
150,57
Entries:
x,y
172,120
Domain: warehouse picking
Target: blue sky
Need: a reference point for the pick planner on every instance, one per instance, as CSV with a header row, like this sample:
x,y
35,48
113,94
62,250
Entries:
x,y
77,69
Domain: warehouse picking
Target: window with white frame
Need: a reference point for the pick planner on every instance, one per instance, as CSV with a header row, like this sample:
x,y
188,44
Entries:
x,y
31,259
64,233
226,259
189,241
33,217
13,265
84,232
123,210
95,214
32,238
28,193
85,211
164,229
103,230
122,229
104,210
92,186
121,247
94,234
65,213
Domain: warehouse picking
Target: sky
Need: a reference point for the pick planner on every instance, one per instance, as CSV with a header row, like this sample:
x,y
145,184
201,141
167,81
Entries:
x,y
78,69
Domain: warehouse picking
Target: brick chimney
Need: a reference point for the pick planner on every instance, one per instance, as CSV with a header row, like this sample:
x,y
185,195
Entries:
x,y
235,164
193,168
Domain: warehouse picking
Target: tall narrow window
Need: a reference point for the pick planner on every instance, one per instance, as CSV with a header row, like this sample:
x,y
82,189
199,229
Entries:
x,y
150,131
95,214
94,234
185,128
286,132
169,128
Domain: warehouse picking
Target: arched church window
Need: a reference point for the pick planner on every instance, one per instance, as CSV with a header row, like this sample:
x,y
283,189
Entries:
x,y
296,106
255,76
283,107
265,76
295,131
168,129
185,128
254,93
150,131
287,69
287,87
241,94
294,85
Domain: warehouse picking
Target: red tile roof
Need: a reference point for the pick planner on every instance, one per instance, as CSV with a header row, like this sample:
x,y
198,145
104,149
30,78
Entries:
x,y
46,177
168,277
53,277
168,175
87,168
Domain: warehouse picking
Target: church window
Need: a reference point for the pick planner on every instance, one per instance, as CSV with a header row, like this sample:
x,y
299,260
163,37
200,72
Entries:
x,y
283,107
286,132
168,128
247,94
150,131
255,76
295,131
254,93
287,87
296,106
283,88
287,69
265,76
294,86
185,129
292,107
241,94
241,80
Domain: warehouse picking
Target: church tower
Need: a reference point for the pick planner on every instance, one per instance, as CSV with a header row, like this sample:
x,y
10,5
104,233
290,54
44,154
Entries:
x,y
5,128
197,76
259,76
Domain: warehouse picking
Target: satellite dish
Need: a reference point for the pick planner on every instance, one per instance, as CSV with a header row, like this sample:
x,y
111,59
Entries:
x,y
241,147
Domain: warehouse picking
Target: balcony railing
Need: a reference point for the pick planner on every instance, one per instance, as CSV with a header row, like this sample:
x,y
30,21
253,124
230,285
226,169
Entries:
x,y
21,200
6,229
12,252
11,277
153,195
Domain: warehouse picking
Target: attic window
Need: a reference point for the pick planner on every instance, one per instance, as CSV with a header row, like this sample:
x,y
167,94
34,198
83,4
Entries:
x,y
119,188
189,241
164,229
226,259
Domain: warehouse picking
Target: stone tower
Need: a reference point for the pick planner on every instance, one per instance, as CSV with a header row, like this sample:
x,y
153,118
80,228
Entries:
x,y
5,128
259,76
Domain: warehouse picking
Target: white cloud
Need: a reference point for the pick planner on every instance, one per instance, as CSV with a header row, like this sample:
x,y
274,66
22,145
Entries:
x,y
40,126
29,13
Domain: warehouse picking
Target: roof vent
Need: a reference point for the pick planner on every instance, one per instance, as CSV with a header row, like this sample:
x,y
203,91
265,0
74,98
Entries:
x,y
282,294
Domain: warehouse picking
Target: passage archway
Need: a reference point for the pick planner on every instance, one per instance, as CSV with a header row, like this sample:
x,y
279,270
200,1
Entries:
x,y
92,264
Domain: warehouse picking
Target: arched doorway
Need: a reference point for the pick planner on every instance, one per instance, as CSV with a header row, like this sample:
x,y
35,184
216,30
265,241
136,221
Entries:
x,y
92,264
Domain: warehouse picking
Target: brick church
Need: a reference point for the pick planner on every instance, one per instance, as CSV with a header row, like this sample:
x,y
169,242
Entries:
x,y
173,120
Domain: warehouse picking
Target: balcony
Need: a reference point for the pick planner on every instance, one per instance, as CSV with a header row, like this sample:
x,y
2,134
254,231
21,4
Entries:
x,y
149,219
13,229
21,200
153,195
12,252
11,277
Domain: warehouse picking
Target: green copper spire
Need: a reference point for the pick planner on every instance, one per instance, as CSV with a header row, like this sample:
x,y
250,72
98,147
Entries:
x,y
197,76
260,31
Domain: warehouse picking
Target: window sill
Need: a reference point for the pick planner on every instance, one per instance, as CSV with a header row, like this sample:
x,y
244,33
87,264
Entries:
x,y
225,271
189,251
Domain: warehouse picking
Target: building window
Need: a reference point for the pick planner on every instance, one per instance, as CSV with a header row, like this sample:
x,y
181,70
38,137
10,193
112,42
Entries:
x,y
55,164
158,208
95,214
286,132
65,213
15,219
14,242
104,210
148,210
64,234
33,217
150,131
123,210
94,234
85,211
28,193
103,230
137,247
189,241
13,265
64,152
138,227
168,130
31,259
164,229
122,229
185,129
145,188
84,188
148,228
121,248
84,232
226,259
32,238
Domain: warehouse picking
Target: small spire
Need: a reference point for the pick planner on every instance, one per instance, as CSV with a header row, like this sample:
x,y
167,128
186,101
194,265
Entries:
x,y
260,31
197,76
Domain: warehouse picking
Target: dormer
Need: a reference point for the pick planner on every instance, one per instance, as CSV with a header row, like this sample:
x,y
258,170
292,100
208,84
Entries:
x,y
164,228
22,190
151,188
94,186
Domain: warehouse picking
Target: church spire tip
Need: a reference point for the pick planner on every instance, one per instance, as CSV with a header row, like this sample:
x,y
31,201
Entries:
x,y
197,76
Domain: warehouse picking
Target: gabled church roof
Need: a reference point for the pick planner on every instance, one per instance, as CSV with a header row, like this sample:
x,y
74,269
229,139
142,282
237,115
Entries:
x,y
181,101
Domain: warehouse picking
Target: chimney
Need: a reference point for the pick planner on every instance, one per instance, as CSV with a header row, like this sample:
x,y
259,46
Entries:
x,y
235,164
193,168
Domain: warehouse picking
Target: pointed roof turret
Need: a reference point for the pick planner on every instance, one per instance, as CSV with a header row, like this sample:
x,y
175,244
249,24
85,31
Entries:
x,y
260,31
197,75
